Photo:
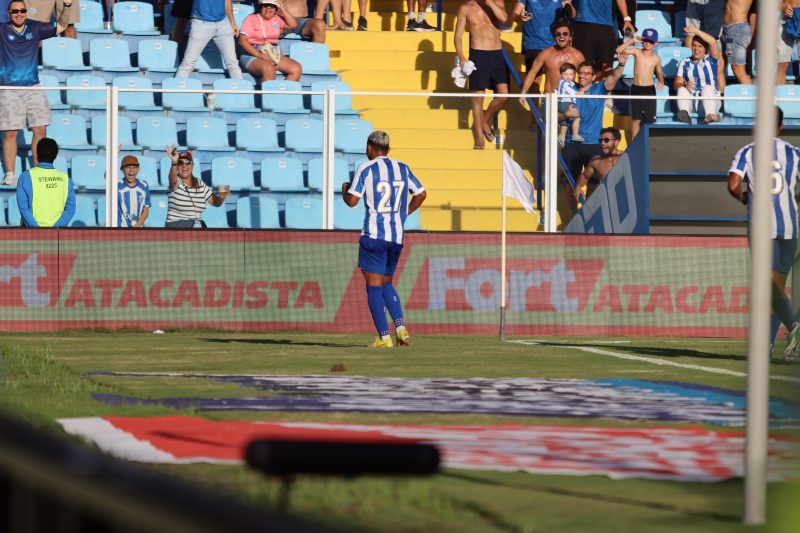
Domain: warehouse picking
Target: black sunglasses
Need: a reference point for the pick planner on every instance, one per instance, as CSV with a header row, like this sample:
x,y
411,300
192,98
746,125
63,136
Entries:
x,y
17,11
607,139
561,34
184,161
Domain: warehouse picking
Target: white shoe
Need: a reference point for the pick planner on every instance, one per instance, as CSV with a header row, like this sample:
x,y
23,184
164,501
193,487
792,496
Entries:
x,y
10,179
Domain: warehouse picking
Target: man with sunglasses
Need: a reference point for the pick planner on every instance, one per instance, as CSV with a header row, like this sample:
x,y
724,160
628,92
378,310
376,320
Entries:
x,y
19,49
537,18
188,195
600,165
552,57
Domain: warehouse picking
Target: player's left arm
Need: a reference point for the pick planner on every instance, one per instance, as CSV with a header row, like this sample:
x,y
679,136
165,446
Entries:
x,y
416,201
349,198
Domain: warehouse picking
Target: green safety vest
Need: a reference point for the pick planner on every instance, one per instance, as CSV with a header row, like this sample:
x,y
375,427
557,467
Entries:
x,y
50,188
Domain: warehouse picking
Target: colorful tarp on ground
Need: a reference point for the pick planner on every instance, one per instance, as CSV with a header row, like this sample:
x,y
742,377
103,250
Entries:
x,y
620,399
685,454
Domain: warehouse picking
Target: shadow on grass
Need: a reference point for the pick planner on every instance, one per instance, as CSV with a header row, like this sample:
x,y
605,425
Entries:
x,y
660,351
284,342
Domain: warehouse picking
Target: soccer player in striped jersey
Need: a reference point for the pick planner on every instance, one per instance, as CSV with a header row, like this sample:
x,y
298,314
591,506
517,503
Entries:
x,y
385,185
134,195
784,224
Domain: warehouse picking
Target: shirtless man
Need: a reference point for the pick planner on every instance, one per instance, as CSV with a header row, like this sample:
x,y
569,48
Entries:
x,y
311,29
552,57
736,37
481,19
600,165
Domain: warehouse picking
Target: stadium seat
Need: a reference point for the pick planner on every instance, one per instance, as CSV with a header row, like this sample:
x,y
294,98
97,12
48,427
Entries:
x,y
216,217
89,172
658,20
350,135
283,103
85,212
257,135
671,56
53,95
61,55
240,12
92,19
157,217
663,106
156,132
282,174
183,105
345,217
791,110
341,173
234,171
740,109
343,103
69,131
234,103
304,135
124,132
303,213
148,171
207,133
101,211
158,58
14,218
136,101
110,57
86,99
3,221
134,18
413,222
60,163
210,62
258,211
314,58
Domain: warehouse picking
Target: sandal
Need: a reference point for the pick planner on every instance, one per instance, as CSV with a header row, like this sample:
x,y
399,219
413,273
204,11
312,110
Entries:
x,y
478,146
489,135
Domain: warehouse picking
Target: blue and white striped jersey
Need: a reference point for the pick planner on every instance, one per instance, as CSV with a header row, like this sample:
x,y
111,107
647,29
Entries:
x,y
385,184
702,73
783,183
568,88
131,201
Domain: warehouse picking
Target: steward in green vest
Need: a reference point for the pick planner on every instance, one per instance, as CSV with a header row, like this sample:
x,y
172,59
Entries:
x,y
45,195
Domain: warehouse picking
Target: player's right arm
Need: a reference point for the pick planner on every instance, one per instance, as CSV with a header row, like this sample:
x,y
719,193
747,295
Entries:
x,y
458,35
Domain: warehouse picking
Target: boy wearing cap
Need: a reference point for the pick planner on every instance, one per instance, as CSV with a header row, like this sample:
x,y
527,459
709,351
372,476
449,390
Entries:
x,y
133,203
647,65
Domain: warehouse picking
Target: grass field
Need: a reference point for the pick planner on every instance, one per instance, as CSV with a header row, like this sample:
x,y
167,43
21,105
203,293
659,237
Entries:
x,y
40,380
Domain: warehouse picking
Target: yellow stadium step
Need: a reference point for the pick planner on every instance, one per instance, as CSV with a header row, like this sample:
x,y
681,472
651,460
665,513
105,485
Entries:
x,y
437,179
431,102
454,159
392,60
517,220
439,118
436,41
456,138
436,219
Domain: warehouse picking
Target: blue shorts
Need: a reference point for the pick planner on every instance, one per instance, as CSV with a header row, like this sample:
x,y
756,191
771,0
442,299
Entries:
x,y
783,252
378,257
736,38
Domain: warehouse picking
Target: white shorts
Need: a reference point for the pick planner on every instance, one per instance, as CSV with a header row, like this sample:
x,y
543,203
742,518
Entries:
x,y
21,109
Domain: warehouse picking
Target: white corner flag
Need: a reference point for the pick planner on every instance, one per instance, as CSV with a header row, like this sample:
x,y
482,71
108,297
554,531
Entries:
x,y
516,185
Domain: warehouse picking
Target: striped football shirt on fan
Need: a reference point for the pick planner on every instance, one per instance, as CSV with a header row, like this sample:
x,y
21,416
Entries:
x,y
132,200
187,203
784,182
385,184
702,73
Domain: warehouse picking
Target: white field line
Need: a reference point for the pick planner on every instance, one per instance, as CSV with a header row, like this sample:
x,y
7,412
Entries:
x,y
661,362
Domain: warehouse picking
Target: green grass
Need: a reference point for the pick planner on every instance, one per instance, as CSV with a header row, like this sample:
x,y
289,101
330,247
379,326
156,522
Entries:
x,y
40,380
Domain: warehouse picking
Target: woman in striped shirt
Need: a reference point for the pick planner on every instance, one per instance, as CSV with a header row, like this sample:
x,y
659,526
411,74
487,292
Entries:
x,y
188,195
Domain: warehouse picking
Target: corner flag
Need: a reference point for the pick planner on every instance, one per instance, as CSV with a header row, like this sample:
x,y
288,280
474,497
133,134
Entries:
x,y
516,185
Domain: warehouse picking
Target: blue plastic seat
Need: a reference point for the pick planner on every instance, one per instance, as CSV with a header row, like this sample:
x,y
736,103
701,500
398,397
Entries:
x,y
413,222
63,54
313,57
671,56
282,174
283,103
791,110
69,131
740,109
111,56
156,132
134,18
257,135
345,217
343,103
157,217
14,217
235,103
89,99
304,135
240,12
207,133
341,173
89,172
85,212
53,95
350,135
216,217
136,101
658,20
192,102
158,55
124,132
3,221
91,19
257,211
303,213
210,61
234,171
663,106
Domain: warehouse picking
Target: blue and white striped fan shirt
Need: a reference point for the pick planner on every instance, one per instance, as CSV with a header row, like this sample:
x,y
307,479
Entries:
x,y
385,184
131,202
702,73
783,183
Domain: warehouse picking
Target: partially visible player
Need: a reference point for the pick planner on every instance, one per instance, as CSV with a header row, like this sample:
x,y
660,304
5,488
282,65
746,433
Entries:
x,y
784,224
385,184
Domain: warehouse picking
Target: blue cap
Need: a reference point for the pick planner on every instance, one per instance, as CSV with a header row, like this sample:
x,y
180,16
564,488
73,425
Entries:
x,y
650,35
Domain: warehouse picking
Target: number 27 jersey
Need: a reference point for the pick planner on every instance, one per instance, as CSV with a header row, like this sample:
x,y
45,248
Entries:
x,y
385,184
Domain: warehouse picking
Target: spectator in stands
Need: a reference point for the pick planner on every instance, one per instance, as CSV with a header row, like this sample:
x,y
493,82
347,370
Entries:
x,y
596,33
736,37
308,28
567,106
783,221
340,10
43,11
181,10
419,23
19,49
697,76
133,201
553,57
647,65
616,15
481,18
787,38
188,195
381,240
45,195
537,20
706,15
600,165
211,19
259,39
577,155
